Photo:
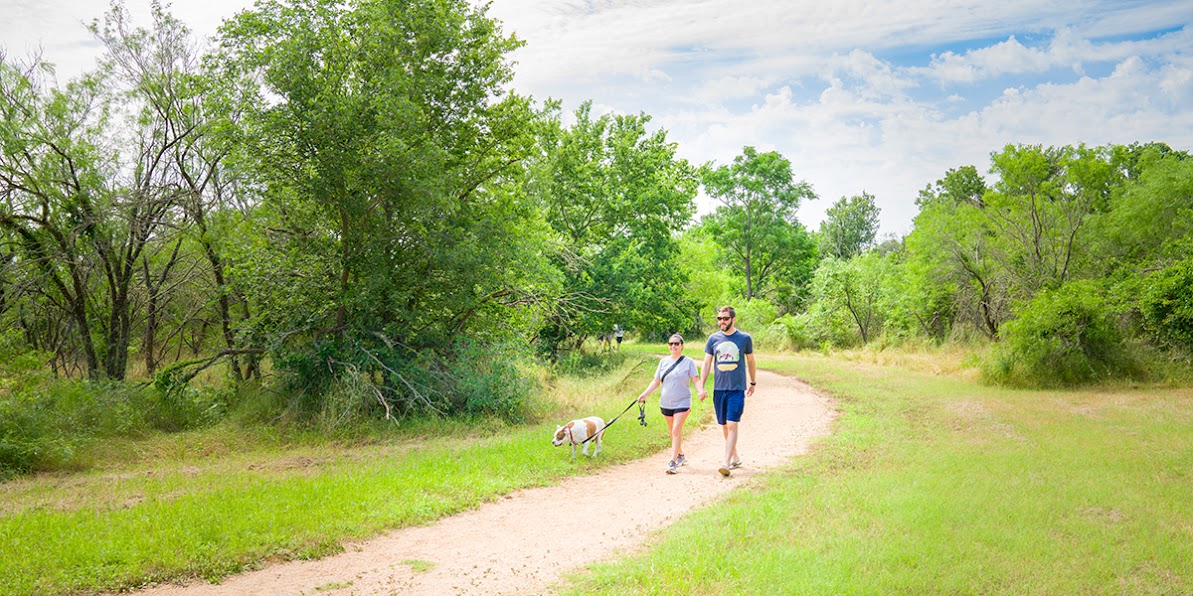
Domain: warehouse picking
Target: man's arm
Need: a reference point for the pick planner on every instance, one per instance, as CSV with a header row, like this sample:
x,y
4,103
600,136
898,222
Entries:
x,y
700,390
753,376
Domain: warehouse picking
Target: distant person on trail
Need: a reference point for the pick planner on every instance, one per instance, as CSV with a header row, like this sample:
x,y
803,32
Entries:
x,y
731,383
603,342
617,334
675,373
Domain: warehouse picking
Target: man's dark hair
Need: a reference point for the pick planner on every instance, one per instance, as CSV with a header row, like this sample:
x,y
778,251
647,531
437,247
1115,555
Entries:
x,y
728,309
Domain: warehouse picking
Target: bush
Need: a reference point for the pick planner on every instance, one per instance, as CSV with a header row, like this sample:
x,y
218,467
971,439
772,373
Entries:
x,y
788,333
341,380
46,427
1166,305
489,382
1063,337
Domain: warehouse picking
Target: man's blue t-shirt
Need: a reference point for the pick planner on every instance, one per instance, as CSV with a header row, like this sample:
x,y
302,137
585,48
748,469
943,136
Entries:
x,y
729,359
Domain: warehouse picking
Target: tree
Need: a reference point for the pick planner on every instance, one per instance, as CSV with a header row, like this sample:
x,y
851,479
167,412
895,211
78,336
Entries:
x,y
54,177
1149,224
616,195
856,286
849,227
1040,206
953,249
963,185
388,157
756,221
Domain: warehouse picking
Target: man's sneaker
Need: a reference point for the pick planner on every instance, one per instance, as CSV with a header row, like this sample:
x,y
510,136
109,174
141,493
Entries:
x,y
671,467
682,460
735,465
723,470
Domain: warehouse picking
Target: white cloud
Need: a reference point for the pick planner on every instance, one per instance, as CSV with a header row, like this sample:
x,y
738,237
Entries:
x,y
858,95
1005,57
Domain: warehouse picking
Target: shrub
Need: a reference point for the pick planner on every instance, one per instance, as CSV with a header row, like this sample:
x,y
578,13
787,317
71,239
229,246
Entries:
x,y
753,315
1063,337
46,427
488,381
788,332
827,325
341,380
1166,304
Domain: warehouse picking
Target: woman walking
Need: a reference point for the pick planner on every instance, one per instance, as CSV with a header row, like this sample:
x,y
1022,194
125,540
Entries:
x,y
675,374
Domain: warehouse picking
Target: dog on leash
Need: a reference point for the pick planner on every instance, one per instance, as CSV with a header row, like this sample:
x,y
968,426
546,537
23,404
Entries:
x,y
578,431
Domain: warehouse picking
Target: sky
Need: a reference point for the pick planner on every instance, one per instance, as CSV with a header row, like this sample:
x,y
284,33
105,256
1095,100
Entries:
x,y
882,97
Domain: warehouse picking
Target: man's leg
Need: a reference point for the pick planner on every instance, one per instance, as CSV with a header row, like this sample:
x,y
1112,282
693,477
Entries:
x,y
730,431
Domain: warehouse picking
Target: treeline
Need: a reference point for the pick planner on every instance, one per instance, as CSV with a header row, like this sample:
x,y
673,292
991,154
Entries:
x,y
351,199
1075,262
333,195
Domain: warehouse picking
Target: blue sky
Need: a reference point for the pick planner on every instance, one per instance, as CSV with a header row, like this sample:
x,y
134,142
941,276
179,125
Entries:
x,y
882,97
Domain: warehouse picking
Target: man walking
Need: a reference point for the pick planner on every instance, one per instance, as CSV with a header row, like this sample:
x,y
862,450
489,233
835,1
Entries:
x,y
731,383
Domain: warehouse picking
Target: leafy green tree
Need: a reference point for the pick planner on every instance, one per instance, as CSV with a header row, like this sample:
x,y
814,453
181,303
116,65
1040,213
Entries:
x,y
953,249
1040,207
187,110
849,227
756,221
857,287
960,186
386,152
616,195
709,284
54,176
1150,221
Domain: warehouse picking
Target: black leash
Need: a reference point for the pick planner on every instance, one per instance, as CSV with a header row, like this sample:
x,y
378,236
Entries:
x,y
641,419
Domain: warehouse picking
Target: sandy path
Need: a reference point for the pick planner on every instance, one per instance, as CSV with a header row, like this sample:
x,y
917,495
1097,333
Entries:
x,y
515,545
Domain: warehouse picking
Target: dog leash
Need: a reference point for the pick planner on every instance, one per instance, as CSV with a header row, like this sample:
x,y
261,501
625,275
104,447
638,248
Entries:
x,y
641,419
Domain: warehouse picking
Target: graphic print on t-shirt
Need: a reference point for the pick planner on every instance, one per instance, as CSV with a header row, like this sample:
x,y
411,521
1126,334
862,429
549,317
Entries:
x,y
728,356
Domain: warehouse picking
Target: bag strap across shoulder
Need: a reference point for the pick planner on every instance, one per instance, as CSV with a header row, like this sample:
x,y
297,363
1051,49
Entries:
x,y
681,357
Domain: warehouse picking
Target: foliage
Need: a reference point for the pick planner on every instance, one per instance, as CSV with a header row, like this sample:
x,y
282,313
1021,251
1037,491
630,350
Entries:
x,y
709,284
1039,209
787,332
53,424
54,180
615,196
1150,220
386,161
756,224
1063,337
1167,305
238,489
388,151
932,483
858,289
849,227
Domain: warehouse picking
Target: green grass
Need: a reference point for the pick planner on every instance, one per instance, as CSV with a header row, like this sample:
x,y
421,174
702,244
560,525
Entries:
x,y
211,503
931,483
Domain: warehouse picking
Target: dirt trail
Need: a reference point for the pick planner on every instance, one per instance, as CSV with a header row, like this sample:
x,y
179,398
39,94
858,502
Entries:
x,y
525,542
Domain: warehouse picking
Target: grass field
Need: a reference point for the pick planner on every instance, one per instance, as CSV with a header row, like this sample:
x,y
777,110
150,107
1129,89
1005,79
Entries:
x,y
930,483
211,503
934,484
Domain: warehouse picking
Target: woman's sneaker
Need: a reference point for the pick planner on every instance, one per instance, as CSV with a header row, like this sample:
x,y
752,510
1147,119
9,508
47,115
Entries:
x,y
681,461
671,467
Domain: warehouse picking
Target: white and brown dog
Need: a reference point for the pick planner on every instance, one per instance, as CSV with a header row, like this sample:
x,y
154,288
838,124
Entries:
x,y
578,431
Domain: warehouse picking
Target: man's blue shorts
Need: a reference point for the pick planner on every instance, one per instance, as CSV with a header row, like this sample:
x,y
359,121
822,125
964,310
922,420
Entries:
x,y
728,405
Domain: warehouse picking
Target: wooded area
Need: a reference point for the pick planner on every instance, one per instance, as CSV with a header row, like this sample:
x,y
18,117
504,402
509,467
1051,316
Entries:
x,y
351,199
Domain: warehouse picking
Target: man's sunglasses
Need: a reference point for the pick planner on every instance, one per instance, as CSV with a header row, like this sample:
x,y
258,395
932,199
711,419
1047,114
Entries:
x,y
724,318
